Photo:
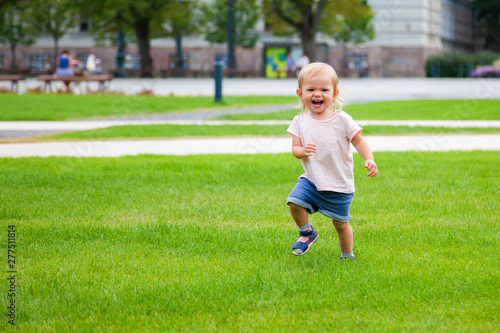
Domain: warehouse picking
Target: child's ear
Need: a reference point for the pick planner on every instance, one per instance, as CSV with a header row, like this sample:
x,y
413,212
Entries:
x,y
336,93
299,93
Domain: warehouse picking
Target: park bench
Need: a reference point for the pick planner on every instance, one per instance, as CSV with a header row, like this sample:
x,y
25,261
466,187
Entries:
x,y
67,80
354,72
14,80
130,72
234,72
15,71
176,72
231,72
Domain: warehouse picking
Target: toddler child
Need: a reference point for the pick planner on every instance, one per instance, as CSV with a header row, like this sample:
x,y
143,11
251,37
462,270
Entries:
x,y
321,139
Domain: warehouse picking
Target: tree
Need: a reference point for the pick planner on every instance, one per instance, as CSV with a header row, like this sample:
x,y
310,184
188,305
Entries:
x,y
301,17
6,3
489,10
144,18
17,28
306,18
182,19
354,26
57,17
245,17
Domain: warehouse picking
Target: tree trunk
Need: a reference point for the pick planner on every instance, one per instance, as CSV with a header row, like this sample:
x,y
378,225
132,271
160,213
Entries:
x,y
230,33
13,64
56,54
346,63
179,61
141,27
308,38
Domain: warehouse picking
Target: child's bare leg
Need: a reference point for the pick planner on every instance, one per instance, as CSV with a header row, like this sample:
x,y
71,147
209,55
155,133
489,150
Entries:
x,y
307,233
300,217
299,214
345,235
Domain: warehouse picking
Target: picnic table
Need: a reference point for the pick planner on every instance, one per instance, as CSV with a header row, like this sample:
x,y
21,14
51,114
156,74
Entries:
x,y
14,80
67,80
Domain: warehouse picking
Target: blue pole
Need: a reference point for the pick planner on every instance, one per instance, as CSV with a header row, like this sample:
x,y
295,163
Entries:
x,y
219,64
180,61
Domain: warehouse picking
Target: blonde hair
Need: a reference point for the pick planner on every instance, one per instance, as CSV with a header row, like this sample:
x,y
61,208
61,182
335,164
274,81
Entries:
x,y
320,68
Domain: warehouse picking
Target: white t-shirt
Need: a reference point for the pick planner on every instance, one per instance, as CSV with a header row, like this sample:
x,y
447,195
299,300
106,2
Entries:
x,y
331,167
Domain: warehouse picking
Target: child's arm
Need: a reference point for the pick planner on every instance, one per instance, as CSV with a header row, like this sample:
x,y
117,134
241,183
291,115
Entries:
x,y
300,152
364,150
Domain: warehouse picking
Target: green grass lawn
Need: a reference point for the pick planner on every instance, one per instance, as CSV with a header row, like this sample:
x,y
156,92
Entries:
x,y
175,131
483,109
65,107
202,243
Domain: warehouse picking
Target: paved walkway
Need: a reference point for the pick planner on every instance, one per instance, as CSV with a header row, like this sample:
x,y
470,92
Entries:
x,y
252,145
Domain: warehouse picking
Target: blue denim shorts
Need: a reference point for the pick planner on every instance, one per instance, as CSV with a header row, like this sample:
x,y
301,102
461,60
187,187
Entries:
x,y
331,204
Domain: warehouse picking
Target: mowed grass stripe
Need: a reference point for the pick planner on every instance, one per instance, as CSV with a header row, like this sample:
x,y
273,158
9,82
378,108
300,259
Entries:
x,y
175,131
67,107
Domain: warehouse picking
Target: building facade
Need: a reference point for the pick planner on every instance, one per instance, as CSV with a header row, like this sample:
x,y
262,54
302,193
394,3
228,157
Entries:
x,y
407,32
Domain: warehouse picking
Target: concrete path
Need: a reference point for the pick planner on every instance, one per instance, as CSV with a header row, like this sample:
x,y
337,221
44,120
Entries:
x,y
252,145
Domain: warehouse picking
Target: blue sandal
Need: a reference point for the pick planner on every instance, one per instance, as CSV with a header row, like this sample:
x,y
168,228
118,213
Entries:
x,y
300,248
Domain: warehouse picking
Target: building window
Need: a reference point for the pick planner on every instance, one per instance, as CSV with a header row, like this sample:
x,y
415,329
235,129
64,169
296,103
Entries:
x,y
186,61
84,24
39,62
132,61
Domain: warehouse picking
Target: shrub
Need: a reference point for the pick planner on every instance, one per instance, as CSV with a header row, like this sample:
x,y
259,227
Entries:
x,y
457,64
486,71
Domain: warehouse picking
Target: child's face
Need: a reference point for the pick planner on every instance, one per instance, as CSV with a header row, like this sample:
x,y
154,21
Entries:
x,y
317,93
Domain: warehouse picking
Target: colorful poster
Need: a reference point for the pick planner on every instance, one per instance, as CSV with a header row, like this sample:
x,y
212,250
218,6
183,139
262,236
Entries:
x,y
275,62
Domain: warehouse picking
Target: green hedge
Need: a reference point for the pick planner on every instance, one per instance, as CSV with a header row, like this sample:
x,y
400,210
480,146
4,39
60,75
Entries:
x,y
457,64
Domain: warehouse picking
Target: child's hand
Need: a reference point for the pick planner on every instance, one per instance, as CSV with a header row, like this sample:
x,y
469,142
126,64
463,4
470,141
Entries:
x,y
372,168
309,149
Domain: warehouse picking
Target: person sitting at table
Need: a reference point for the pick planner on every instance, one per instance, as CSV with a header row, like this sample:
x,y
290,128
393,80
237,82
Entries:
x,y
64,65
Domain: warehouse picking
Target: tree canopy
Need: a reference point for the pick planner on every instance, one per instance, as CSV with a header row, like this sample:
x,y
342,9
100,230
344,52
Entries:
x,y
489,11
56,17
144,18
244,18
17,27
246,14
344,20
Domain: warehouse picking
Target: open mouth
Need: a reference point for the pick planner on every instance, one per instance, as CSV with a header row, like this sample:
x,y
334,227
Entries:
x,y
317,103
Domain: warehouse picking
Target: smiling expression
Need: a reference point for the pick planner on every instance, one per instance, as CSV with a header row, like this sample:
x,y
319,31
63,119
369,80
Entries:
x,y
317,95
